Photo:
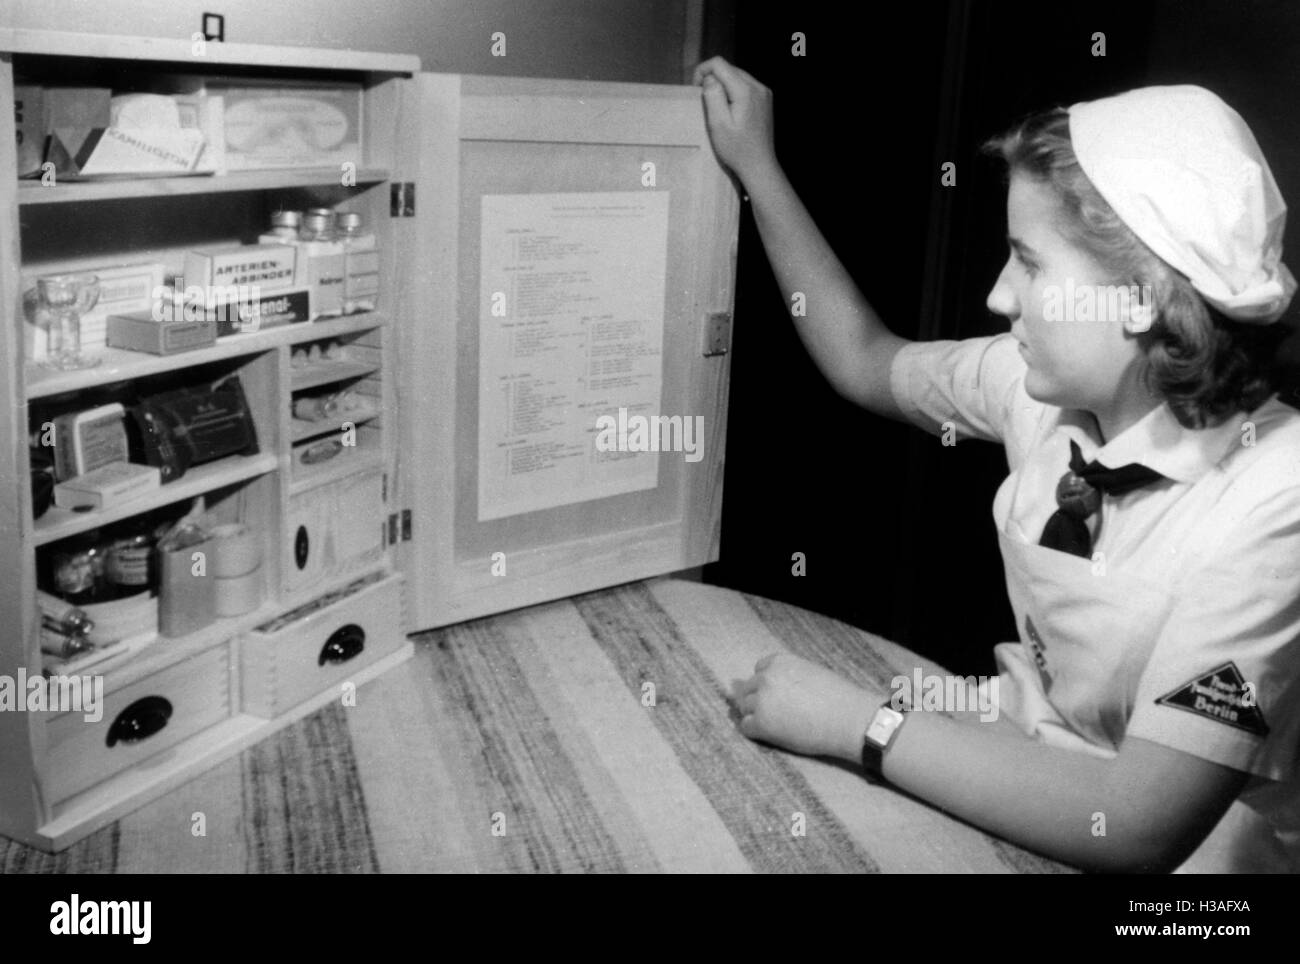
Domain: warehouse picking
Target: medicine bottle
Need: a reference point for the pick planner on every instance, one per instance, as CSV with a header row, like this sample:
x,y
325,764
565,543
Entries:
x,y
323,255
361,265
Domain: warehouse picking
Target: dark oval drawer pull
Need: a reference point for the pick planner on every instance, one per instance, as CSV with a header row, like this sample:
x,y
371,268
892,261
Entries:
x,y
343,644
301,546
141,720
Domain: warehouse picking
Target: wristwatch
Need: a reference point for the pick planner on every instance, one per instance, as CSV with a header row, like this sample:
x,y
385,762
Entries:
x,y
880,733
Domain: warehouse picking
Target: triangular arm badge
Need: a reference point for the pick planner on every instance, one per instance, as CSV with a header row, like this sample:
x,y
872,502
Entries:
x,y
1221,695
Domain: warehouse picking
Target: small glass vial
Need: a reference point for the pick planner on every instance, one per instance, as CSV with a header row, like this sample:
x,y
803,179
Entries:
x,y
323,254
361,265
285,227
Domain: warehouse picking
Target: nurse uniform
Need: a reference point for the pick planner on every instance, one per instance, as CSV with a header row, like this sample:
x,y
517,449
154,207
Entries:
x,y
1183,628
1192,592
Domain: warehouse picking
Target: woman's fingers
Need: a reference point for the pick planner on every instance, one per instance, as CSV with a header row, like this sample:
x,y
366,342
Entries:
x,y
705,67
747,77
716,108
735,82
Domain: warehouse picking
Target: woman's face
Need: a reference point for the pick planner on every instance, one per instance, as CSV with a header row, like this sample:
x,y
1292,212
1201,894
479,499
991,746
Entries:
x,y
1077,352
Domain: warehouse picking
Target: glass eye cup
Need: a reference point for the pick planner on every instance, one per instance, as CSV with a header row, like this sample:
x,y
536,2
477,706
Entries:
x,y
63,299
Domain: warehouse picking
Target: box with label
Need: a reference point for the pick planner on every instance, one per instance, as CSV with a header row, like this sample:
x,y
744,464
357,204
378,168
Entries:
x,y
78,152
142,331
219,274
107,486
290,307
83,441
289,125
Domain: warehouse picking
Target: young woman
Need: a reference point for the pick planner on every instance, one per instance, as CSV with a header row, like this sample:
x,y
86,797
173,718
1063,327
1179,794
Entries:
x,y
1150,524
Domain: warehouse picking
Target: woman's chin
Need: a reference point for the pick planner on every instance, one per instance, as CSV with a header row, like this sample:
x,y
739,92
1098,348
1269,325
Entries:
x,y
1042,390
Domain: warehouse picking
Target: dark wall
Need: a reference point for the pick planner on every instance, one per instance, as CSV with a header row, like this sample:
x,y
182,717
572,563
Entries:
x,y
898,529
807,472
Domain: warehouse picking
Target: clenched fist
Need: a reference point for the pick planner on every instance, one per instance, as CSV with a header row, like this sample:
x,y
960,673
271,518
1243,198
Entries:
x,y
804,707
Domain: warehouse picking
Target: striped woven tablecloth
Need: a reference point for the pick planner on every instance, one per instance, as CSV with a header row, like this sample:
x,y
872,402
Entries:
x,y
522,742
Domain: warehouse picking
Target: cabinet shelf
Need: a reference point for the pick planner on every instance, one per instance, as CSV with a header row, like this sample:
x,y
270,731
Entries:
x,y
368,453
327,372
60,523
67,192
62,782
119,364
301,429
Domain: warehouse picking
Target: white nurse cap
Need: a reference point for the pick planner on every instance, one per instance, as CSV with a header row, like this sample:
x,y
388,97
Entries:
x,y
1183,171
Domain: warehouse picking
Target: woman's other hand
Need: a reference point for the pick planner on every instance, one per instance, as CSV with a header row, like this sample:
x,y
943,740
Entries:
x,y
804,707
738,110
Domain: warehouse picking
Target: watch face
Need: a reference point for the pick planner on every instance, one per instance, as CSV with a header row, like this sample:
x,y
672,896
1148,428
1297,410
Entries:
x,y
883,725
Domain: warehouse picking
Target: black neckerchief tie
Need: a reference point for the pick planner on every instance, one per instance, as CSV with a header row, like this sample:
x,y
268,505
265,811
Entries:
x,y
1078,496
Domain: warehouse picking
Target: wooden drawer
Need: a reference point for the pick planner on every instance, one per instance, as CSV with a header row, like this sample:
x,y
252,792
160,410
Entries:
x,y
166,708
320,644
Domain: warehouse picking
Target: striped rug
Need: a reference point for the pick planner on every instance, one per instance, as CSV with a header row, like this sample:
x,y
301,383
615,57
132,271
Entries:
x,y
592,734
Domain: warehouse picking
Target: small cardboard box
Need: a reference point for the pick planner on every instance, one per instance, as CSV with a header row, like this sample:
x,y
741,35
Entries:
x,y
220,273
79,152
107,486
83,441
29,118
285,124
290,307
142,331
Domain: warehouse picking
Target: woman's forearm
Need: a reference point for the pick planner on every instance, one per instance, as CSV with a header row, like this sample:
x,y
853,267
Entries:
x,y
1060,803
843,334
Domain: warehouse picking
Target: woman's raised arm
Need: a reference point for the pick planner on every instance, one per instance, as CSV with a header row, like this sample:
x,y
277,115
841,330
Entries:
x,y
847,340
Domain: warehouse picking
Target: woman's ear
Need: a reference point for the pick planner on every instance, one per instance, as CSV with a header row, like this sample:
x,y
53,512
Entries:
x,y
1140,318
1141,313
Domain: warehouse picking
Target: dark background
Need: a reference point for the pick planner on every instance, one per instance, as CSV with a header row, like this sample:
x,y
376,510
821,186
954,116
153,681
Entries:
x,y
897,529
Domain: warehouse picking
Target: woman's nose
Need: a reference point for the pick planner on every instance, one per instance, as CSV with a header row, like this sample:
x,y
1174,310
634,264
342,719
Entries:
x,y
1002,299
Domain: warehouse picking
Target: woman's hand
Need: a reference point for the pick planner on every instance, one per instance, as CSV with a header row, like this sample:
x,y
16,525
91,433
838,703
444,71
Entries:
x,y
804,707
738,110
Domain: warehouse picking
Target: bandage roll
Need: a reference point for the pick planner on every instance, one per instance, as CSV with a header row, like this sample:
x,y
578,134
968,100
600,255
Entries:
x,y
122,618
235,551
239,594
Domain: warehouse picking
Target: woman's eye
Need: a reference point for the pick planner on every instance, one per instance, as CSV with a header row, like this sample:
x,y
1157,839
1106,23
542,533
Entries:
x,y
1030,267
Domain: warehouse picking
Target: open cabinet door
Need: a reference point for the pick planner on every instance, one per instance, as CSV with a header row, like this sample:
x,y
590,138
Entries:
x,y
570,256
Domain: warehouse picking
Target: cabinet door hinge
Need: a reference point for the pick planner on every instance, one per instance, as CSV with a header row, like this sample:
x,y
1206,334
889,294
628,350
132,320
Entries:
x,y
717,333
401,199
399,527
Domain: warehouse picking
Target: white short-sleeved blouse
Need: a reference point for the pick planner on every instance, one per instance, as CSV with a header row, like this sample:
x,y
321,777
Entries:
x,y
1221,533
